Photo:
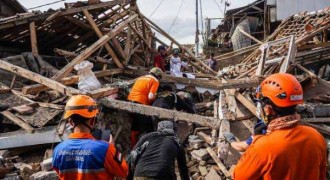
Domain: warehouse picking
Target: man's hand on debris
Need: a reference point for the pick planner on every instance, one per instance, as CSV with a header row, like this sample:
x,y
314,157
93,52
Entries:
x,y
229,137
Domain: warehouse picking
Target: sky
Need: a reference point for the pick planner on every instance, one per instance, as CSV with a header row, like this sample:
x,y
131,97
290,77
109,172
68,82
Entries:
x,y
168,13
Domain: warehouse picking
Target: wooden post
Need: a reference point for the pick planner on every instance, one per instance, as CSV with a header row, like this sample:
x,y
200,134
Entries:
x,y
33,35
218,161
100,35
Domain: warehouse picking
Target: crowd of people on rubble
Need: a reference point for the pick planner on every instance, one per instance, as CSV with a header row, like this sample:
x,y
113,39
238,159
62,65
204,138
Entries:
x,y
280,147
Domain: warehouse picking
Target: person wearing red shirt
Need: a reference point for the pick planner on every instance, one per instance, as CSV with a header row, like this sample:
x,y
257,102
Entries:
x,y
159,60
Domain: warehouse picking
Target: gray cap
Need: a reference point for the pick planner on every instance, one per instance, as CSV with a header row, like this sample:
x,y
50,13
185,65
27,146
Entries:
x,y
165,125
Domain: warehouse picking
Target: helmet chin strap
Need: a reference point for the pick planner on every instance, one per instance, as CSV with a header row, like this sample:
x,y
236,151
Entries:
x,y
86,125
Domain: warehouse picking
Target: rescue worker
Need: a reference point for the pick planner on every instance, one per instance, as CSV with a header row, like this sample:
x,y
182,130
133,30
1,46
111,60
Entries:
x,y
168,99
159,60
145,87
288,150
81,156
158,155
144,92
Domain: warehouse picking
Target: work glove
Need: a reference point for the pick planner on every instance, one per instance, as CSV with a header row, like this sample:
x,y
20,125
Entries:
x,y
260,128
229,137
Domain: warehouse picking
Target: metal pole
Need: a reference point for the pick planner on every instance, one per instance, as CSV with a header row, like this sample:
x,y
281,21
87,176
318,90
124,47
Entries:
x,y
197,31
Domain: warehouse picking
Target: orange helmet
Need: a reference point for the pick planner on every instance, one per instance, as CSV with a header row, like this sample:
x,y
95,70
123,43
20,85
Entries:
x,y
81,105
282,89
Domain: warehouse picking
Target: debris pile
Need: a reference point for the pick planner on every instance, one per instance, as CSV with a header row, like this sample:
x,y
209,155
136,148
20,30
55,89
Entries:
x,y
38,77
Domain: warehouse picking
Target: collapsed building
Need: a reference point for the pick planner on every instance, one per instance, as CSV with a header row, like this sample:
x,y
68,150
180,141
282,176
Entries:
x,y
40,52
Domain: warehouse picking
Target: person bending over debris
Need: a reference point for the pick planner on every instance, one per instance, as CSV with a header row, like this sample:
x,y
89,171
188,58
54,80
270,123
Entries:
x,y
144,92
288,150
155,153
168,99
83,157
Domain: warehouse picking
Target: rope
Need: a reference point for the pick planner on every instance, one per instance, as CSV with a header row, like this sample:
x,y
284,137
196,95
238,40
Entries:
x,y
46,4
176,17
156,8
219,7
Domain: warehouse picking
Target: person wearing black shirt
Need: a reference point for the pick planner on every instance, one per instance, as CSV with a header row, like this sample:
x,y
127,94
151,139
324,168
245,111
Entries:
x,y
160,150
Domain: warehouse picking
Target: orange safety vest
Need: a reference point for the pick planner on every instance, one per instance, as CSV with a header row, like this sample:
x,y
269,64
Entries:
x,y
141,89
292,153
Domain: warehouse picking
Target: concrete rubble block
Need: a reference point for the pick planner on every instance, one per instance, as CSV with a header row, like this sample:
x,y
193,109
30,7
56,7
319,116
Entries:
x,y
212,175
202,163
4,154
190,163
193,169
24,109
22,166
46,164
200,155
195,176
43,175
202,170
196,143
193,137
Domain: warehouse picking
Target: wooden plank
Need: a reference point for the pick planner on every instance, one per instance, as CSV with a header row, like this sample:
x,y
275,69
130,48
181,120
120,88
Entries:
x,y
159,112
249,105
118,47
90,7
91,49
219,163
36,88
103,92
100,35
213,84
249,36
316,120
33,36
18,121
39,79
205,137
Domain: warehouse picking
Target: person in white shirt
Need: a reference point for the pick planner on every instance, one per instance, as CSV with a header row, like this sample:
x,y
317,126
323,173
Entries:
x,y
176,64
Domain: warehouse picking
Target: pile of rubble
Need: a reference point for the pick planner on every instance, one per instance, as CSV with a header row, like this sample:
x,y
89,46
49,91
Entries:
x,y
121,42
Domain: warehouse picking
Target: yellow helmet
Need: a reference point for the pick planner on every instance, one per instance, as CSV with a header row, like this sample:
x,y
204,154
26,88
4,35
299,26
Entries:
x,y
82,105
156,71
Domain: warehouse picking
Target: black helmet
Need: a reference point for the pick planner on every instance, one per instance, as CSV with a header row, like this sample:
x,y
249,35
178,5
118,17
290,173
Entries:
x,y
161,47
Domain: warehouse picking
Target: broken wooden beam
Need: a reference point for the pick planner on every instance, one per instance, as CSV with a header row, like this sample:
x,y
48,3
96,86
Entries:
x,y
36,88
33,35
69,91
91,49
18,121
218,161
213,84
100,35
103,92
159,112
